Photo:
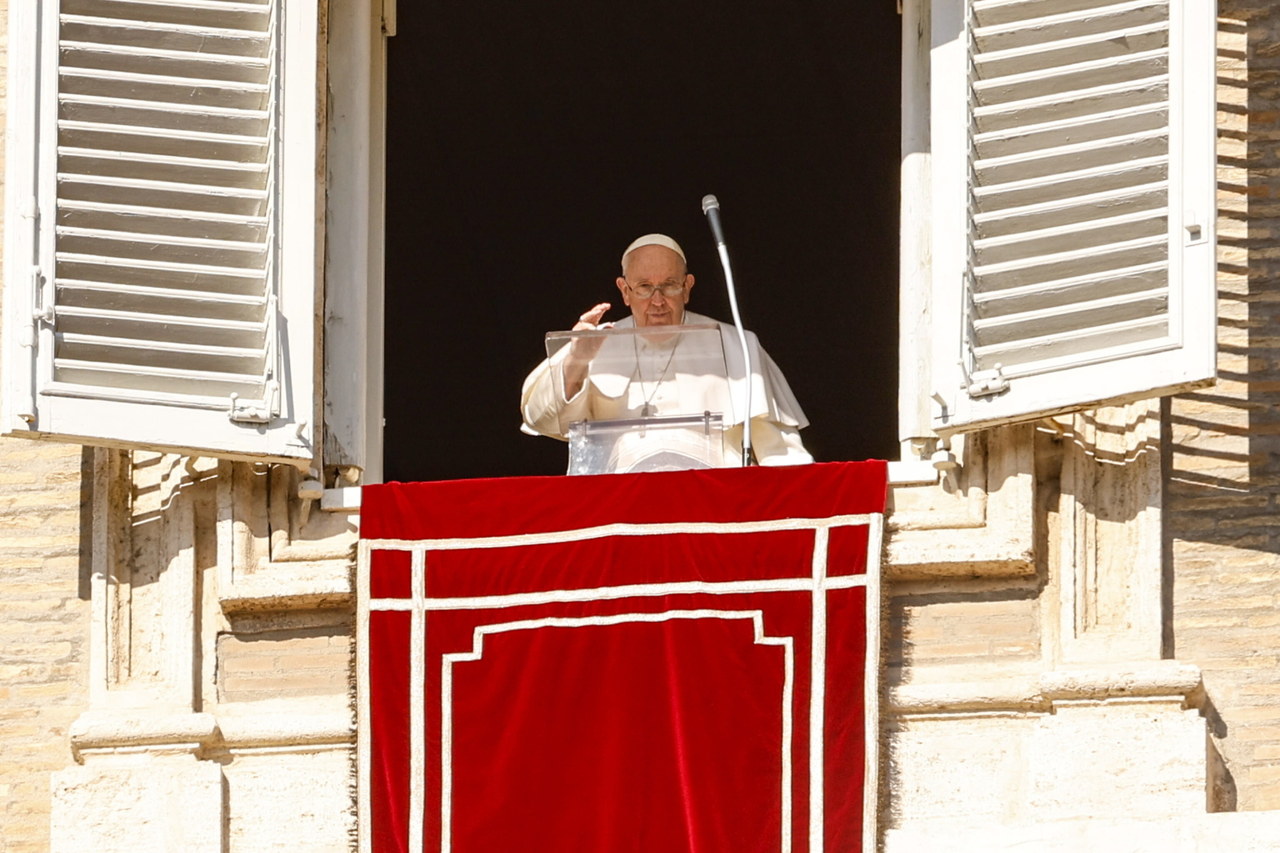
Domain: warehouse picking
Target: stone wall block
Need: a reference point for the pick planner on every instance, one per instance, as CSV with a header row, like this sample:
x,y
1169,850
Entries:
x,y
312,789
157,804
1114,761
959,770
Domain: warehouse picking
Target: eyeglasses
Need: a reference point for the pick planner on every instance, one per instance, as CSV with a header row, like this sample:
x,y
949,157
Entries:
x,y
670,289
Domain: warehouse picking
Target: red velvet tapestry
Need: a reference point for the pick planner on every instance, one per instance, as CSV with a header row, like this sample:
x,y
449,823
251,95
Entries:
x,y
663,662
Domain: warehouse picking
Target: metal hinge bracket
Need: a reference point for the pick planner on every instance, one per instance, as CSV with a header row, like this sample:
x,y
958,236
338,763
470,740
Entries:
x,y
987,383
256,411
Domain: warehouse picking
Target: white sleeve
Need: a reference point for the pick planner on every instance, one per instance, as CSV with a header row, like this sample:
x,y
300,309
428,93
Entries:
x,y
772,443
543,410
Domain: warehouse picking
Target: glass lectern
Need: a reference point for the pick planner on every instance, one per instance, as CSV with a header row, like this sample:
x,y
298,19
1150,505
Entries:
x,y
641,399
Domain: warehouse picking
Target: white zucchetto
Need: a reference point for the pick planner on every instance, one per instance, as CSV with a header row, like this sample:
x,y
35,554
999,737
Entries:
x,y
654,240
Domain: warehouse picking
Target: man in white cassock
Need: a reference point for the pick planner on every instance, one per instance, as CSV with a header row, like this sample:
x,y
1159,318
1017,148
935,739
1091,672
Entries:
x,y
662,378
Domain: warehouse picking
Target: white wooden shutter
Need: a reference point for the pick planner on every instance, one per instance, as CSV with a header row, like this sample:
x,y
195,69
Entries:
x,y
160,253
1074,203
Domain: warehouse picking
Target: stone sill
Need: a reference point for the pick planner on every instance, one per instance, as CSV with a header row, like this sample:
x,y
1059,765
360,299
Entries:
x,y
1160,680
115,733
1238,832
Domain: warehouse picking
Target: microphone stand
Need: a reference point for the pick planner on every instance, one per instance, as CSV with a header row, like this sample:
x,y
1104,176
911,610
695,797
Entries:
x,y
711,207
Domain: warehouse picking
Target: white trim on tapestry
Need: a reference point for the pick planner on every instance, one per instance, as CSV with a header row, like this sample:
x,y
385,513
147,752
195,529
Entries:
x,y
477,652
871,688
607,593
659,528
418,703
817,691
364,710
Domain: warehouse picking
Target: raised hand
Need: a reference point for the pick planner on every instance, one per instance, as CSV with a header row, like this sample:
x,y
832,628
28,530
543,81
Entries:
x,y
581,351
591,317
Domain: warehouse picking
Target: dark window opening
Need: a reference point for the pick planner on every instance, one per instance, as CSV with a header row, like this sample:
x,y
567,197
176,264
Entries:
x,y
529,143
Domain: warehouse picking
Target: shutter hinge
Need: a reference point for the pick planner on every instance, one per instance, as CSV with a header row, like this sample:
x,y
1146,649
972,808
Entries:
x,y
42,286
30,338
256,411
42,309
987,383
41,289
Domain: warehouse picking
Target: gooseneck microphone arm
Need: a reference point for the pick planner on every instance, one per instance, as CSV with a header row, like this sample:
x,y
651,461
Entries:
x,y
711,207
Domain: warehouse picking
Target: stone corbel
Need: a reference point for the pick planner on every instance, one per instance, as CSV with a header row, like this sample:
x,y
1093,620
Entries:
x,y
284,551
1103,601
978,521
151,537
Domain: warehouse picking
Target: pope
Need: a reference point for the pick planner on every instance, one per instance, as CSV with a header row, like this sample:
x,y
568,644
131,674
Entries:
x,y
656,286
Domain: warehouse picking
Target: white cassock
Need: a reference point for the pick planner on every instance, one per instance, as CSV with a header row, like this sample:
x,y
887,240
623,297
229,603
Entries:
x,y
660,381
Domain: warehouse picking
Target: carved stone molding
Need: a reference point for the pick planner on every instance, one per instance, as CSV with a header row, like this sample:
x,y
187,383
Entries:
x,y
152,537
288,725
156,732
977,522
283,551
1106,569
1167,681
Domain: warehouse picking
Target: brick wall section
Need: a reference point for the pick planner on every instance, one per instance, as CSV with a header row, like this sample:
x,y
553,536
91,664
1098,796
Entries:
x,y
295,661
968,626
44,617
1223,505
44,630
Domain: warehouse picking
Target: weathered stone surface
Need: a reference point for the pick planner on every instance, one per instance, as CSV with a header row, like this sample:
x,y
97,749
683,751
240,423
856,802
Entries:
x,y
158,804
1190,833
312,789
44,630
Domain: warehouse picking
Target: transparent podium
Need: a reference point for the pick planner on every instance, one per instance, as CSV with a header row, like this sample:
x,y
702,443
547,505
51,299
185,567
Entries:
x,y
642,399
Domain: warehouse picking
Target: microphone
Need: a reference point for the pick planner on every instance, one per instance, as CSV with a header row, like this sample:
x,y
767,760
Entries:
x,y
711,207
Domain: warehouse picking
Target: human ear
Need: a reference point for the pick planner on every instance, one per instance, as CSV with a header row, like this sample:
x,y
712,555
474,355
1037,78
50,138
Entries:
x,y
688,286
625,291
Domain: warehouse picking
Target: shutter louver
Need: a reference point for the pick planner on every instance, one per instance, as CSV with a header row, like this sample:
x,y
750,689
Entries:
x,y
1079,199
166,127
1069,180
172,272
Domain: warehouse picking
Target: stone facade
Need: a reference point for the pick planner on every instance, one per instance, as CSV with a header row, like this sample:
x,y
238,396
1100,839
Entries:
x,y
210,701
1080,639
982,755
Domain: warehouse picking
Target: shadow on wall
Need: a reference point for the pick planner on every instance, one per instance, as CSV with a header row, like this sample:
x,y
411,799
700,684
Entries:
x,y
1222,504
1223,464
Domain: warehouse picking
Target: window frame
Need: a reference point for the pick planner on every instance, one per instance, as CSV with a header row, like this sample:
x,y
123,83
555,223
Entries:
x,y
355,219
